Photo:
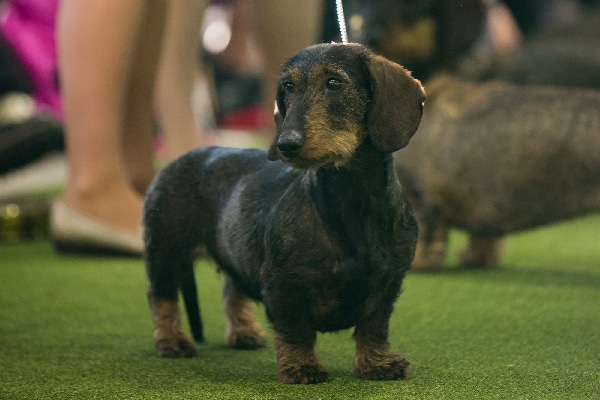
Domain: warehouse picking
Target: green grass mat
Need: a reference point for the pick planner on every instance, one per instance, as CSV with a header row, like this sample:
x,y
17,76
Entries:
x,y
79,328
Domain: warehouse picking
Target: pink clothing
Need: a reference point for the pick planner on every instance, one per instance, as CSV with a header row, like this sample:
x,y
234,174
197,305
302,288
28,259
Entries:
x,y
28,27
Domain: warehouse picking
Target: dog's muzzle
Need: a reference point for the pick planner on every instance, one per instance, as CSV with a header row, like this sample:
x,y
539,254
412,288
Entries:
x,y
290,143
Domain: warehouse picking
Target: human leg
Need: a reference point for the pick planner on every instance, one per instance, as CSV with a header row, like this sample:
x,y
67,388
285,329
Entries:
x,y
138,118
96,41
177,71
282,37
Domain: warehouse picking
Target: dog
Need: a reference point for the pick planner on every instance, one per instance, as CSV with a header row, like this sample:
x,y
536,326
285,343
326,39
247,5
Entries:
x,y
495,158
316,227
424,36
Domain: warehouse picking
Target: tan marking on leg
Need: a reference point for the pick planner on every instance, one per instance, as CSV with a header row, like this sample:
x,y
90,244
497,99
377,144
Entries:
x,y
167,320
242,330
377,361
169,339
298,363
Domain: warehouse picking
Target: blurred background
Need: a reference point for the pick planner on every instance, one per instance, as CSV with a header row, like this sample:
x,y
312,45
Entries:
x,y
543,42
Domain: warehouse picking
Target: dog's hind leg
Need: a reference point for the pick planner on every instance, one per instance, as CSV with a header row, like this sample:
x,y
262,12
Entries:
x,y
167,271
243,330
169,339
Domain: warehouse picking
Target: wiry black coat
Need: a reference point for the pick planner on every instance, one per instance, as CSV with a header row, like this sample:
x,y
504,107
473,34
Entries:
x,y
322,234
324,237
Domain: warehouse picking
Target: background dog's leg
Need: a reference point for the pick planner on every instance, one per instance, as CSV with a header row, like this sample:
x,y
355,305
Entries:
x,y
374,359
243,330
482,252
297,362
430,254
169,339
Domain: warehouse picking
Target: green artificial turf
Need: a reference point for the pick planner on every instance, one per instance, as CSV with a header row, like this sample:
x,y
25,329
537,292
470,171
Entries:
x,y
79,328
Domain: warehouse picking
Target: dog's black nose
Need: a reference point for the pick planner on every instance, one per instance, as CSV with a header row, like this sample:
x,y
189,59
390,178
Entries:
x,y
290,143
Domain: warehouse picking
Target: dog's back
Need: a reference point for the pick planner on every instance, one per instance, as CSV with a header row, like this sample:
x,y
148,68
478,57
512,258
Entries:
x,y
184,214
496,158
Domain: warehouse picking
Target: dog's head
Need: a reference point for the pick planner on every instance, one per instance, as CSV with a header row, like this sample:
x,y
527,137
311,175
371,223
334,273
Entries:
x,y
333,97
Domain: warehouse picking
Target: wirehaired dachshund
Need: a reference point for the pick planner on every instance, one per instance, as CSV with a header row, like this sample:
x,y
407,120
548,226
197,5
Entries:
x,y
316,227
495,158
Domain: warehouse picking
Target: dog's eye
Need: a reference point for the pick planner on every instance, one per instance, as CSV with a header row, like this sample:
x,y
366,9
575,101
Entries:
x,y
288,86
334,84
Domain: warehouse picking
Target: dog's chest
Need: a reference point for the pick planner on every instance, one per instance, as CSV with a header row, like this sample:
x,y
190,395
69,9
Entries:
x,y
340,295
341,278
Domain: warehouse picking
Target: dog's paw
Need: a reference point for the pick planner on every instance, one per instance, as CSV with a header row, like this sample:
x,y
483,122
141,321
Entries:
x,y
180,347
304,374
390,367
246,338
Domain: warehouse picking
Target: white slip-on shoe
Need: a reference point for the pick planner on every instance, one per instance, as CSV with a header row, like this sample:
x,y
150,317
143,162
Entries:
x,y
71,231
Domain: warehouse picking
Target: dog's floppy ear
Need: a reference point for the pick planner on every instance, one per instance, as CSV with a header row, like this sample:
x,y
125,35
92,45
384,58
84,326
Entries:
x,y
272,152
396,105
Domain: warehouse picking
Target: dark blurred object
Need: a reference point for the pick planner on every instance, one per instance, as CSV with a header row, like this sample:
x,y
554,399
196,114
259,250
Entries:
x,y
12,76
239,100
565,56
24,219
26,141
528,13
24,136
534,15
423,36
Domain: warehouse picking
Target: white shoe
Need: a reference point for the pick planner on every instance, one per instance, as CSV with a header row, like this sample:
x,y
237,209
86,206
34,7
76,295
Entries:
x,y
74,232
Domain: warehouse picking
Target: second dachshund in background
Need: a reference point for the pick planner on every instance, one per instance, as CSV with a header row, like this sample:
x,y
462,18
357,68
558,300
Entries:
x,y
495,158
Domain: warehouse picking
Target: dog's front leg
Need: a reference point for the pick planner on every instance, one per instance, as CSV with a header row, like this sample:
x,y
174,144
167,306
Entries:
x,y
297,361
295,336
375,359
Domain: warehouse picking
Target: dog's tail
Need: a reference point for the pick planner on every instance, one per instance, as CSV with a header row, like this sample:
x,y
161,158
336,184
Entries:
x,y
192,305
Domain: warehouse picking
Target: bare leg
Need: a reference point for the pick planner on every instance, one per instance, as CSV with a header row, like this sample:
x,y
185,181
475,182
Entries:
x,y
282,36
138,119
95,63
177,71
244,54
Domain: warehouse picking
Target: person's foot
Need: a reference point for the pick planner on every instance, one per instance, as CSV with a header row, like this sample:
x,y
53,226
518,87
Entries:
x,y
107,223
118,208
74,232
